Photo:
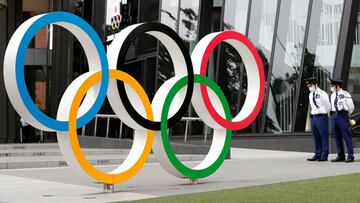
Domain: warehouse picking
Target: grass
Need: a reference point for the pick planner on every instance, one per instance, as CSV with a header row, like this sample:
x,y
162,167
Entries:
x,y
344,188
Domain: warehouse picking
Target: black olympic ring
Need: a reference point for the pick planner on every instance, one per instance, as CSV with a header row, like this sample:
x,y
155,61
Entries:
x,y
153,125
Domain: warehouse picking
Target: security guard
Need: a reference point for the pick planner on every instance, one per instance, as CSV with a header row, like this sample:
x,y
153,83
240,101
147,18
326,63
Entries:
x,y
320,107
341,107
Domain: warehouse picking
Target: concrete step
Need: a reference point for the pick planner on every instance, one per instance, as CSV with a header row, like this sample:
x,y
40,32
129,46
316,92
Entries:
x,y
29,146
356,150
56,152
58,161
42,155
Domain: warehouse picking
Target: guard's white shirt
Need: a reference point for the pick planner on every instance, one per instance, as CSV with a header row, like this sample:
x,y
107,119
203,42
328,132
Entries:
x,y
344,101
322,102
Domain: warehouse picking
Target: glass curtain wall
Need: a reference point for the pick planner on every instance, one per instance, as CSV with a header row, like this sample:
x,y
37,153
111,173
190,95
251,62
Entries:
x,y
231,67
188,22
183,17
261,33
235,15
320,53
293,41
353,86
169,13
289,43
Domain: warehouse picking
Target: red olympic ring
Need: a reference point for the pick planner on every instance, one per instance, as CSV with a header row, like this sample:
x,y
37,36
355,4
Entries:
x,y
228,35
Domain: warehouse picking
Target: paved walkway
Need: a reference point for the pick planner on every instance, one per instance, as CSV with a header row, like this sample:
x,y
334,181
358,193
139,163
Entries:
x,y
247,167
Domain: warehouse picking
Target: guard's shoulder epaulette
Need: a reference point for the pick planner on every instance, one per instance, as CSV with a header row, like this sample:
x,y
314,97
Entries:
x,y
346,94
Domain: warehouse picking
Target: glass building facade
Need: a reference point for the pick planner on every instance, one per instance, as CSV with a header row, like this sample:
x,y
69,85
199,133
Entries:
x,y
295,39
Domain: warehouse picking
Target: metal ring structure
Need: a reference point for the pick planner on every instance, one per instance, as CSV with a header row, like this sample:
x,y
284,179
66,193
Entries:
x,y
121,98
221,138
69,143
254,72
14,69
150,121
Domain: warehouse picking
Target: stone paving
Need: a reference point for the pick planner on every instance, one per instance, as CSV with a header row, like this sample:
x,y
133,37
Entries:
x,y
248,167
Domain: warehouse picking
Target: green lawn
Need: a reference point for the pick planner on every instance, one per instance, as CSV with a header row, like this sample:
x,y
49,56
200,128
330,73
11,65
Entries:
x,y
345,188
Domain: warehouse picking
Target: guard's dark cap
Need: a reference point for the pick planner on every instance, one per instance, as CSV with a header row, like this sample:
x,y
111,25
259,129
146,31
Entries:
x,y
311,80
335,81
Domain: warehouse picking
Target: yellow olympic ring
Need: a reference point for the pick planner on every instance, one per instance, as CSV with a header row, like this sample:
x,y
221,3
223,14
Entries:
x,y
84,163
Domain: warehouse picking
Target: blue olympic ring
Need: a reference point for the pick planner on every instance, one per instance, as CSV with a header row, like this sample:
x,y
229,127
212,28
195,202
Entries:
x,y
20,79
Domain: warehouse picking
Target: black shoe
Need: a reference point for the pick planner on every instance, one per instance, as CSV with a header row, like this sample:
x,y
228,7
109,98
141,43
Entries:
x,y
314,158
349,160
338,159
323,159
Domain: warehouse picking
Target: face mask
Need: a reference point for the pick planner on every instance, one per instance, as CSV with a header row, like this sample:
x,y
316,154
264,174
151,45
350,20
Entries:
x,y
332,89
312,88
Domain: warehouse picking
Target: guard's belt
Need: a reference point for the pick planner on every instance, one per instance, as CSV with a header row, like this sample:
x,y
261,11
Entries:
x,y
342,112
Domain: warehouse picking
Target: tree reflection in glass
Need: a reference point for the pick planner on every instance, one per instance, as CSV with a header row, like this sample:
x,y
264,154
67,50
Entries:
x,y
169,13
188,19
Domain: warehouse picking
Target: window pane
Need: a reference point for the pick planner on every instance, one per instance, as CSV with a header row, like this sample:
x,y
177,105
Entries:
x,y
319,53
231,67
354,74
188,27
187,30
261,30
287,58
119,15
169,13
235,15
261,27
146,14
169,17
184,21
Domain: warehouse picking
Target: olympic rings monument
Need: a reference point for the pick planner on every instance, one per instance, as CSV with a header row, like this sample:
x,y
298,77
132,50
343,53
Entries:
x,y
150,119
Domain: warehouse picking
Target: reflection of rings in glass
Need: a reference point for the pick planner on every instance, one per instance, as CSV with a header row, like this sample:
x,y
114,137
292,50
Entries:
x,y
115,22
254,73
221,139
14,68
182,64
142,141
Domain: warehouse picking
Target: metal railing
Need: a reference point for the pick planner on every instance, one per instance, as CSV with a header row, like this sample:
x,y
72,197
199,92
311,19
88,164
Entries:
x,y
109,116
189,119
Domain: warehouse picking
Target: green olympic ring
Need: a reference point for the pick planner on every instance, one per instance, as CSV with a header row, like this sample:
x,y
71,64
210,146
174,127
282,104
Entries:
x,y
183,169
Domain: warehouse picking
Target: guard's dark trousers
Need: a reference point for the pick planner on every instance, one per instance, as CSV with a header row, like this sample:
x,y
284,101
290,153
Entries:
x,y
320,130
340,126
